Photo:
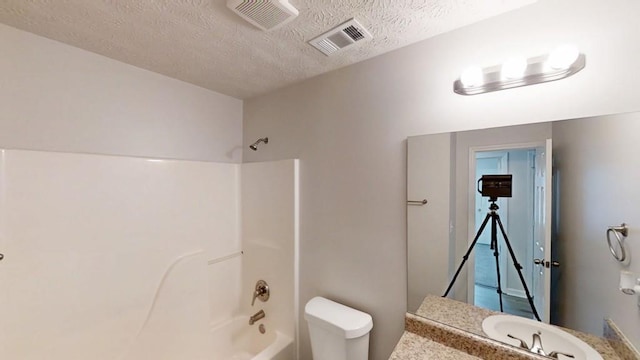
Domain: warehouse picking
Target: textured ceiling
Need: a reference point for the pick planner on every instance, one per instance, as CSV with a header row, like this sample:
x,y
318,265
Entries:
x,y
204,43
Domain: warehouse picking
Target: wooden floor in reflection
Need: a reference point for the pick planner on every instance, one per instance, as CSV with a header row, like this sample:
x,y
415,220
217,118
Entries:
x,y
487,297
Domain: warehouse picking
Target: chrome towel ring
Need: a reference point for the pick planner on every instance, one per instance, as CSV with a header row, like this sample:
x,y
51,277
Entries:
x,y
620,232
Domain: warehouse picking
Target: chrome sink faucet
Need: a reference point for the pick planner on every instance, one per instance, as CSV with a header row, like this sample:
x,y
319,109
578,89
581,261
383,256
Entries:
x,y
536,347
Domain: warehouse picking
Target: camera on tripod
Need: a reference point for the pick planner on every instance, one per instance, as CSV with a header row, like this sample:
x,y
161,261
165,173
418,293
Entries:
x,y
495,186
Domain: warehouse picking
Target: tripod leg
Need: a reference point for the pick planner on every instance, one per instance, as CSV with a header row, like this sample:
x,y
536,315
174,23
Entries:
x,y
466,255
496,255
518,268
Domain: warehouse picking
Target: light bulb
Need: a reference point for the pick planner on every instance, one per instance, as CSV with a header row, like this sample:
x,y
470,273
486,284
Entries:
x,y
514,68
563,57
472,76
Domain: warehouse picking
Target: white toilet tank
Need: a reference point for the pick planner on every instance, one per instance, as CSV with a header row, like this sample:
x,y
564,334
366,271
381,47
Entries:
x,y
337,332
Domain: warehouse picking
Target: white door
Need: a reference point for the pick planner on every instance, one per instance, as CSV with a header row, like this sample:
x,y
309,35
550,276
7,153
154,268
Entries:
x,y
541,291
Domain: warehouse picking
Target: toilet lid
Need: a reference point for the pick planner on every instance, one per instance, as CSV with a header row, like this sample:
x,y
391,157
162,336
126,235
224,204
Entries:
x,y
350,322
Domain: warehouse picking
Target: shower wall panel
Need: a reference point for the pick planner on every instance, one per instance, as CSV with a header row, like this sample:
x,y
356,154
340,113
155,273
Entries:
x,y
88,239
270,236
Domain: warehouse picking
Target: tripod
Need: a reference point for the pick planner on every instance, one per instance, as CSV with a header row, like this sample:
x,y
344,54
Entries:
x,y
495,219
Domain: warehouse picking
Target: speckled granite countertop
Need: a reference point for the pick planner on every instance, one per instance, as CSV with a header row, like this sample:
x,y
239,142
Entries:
x,y
469,318
453,330
416,347
454,313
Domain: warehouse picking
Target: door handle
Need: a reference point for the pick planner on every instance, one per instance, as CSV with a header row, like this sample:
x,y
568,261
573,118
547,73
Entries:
x,y
1,256
545,263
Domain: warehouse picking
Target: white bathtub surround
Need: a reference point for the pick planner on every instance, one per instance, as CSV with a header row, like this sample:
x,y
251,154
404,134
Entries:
x,y
87,239
234,339
270,243
106,257
176,326
225,288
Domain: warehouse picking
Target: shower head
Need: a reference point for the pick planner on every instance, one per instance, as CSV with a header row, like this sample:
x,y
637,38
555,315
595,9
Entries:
x,y
254,146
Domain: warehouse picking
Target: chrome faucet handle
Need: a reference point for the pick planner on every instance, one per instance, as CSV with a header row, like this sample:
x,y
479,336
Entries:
x,y
522,343
261,292
554,354
256,293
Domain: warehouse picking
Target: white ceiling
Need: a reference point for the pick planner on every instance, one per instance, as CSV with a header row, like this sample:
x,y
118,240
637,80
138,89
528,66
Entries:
x,y
204,43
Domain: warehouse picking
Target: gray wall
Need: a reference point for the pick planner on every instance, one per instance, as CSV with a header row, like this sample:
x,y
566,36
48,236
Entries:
x,y
430,165
349,127
596,163
59,98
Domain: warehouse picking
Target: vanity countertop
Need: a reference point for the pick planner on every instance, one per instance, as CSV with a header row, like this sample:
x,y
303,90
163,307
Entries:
x,y
454,313
469,318
415,347
449,329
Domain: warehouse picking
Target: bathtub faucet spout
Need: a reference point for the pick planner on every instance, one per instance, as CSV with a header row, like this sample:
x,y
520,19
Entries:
x,y
257,316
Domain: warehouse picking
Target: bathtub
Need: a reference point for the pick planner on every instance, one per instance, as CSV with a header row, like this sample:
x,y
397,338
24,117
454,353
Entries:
x,y
235,339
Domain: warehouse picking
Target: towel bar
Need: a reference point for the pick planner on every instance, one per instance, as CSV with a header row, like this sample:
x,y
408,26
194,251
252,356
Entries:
x,y
620,232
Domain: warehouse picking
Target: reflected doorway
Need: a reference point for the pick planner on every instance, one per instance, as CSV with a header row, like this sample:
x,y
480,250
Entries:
x,y
517,215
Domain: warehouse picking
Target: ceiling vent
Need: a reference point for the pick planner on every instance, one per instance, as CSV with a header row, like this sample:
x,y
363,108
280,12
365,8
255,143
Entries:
x,y
340,37
264,14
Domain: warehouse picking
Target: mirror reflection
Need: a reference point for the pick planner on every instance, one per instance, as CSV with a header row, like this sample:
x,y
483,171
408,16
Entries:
x,y
536,248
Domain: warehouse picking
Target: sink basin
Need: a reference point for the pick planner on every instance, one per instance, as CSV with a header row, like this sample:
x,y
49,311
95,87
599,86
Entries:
x,y
498,327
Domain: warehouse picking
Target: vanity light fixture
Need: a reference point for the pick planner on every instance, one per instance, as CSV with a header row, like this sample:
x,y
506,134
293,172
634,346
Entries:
x,y
513,68
472,76
563,62
563,57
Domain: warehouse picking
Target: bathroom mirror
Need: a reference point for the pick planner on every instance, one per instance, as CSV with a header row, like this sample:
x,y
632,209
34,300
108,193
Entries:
x,y
571,181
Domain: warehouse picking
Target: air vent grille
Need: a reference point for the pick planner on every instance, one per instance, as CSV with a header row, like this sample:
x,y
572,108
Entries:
x,y
340,37
354,33
265,14
327,46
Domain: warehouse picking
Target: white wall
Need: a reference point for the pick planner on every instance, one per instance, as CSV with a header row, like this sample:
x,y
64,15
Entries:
x,y
348,128
57,97
596,164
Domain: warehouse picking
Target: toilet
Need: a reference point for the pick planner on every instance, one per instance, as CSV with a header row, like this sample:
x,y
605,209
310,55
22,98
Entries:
x,y
337,332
